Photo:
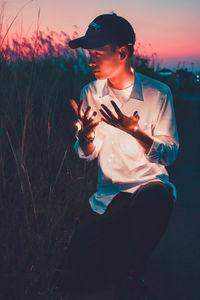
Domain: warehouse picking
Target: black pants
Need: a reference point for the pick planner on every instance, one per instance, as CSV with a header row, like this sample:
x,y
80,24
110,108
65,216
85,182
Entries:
x,y
107,247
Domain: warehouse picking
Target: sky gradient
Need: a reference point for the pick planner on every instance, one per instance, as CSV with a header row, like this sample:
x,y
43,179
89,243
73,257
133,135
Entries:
x,y
168,28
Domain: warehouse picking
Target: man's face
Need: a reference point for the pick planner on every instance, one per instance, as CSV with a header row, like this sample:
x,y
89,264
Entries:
x,y
105,62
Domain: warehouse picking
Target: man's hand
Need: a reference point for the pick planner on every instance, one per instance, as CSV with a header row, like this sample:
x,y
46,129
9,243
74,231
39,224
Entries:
x,y
127,124
87,119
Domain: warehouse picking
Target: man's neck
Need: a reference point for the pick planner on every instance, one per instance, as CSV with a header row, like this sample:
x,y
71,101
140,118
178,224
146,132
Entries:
x,y
123,80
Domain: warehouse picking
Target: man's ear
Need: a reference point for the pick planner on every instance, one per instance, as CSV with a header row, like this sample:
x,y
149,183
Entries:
x,y
123,51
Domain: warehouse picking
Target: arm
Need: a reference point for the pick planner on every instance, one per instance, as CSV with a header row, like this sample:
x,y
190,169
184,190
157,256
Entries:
x,y
142,138
165,145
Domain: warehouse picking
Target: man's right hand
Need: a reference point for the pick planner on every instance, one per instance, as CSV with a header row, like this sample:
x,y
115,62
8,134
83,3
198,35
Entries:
x,y
86,119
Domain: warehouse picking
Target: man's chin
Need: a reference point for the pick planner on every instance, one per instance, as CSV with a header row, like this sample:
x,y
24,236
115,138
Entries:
x,y
100,76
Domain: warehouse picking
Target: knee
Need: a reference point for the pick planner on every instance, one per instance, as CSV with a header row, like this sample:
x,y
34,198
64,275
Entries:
x,y
154,195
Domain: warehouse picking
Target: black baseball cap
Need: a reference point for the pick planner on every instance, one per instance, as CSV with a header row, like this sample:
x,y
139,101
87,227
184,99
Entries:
x,y
106,29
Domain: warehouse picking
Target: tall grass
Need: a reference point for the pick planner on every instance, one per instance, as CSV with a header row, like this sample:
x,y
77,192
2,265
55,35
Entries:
x,y
43,186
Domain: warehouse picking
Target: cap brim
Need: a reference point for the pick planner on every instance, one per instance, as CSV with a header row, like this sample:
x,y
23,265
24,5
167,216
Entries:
x,y
76,43
87,43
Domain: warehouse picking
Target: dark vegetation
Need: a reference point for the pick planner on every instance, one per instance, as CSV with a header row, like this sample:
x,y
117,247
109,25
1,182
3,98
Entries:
x,y
43,185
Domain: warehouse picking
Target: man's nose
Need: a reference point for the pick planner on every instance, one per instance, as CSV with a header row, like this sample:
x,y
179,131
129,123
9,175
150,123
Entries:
x,y
91,62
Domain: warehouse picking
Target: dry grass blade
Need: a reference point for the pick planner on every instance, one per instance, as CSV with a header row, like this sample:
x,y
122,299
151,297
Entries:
x,y
30,190
9,27
37,32
2,16
16,160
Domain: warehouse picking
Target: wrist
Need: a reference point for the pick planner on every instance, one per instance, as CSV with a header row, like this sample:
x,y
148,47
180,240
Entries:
x,y
88,138
143,138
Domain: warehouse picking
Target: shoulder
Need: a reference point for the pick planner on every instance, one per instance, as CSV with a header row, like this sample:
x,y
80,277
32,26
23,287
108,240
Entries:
x,y
152,85
93,88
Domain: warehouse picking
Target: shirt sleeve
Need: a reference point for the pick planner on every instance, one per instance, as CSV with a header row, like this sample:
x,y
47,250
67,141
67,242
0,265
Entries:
x,y
90,157
97,141
165,145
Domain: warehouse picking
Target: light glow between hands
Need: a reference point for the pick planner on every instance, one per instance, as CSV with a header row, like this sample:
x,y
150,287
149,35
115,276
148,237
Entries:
x,y
78,126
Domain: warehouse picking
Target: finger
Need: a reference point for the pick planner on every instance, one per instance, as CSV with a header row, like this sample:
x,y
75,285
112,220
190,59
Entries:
x,y
108,122
94,114
105,120
95,124
92,126
87,113
118,111
92,117
74,106
106,116
110,114
80,110
136,114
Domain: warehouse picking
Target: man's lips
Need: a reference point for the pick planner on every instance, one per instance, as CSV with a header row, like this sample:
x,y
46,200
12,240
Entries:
x,y
95,70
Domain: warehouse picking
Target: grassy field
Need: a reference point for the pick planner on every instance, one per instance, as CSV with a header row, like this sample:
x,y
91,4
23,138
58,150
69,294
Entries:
x,y
43,185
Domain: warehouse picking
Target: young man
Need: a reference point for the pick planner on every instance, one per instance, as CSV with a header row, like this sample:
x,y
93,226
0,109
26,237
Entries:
x,y
127,122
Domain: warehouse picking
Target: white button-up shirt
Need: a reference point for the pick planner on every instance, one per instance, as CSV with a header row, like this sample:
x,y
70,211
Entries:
x,y
122,163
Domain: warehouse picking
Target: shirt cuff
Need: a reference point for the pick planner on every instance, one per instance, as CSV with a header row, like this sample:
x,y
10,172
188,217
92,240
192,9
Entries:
x,y
154,153
163,151
82,155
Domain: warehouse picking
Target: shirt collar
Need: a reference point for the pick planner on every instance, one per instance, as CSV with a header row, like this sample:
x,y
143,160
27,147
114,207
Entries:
x,y
136,91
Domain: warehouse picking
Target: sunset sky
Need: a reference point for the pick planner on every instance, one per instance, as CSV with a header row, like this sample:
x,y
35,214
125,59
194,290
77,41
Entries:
x,y
168,28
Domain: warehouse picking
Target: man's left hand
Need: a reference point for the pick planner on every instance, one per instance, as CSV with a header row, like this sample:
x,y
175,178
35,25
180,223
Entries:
x,y
127,124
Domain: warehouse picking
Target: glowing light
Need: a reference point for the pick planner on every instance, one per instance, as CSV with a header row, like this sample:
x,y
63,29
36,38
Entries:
x,y
78,126
135,128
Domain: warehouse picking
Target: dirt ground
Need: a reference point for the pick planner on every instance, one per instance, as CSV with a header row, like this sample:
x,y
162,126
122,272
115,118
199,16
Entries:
x,y
174,268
